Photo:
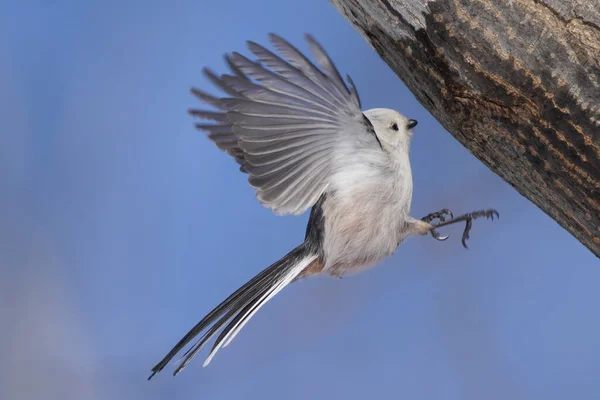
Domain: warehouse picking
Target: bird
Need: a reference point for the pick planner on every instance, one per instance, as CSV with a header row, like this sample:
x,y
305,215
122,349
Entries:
x,y
299,133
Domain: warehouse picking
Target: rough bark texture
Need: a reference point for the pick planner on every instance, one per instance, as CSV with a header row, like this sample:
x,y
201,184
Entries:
x,y
517,82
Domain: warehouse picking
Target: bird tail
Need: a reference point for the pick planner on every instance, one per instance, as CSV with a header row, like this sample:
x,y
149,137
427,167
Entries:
x,y
237,309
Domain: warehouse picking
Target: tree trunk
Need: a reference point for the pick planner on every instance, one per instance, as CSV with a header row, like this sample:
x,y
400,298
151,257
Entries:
x,y
517,82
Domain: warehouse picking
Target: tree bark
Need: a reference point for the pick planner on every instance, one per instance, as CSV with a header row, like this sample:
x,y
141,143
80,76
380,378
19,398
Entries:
x,y
517,82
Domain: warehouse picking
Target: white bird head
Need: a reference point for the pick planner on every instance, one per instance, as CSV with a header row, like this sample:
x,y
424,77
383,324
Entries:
x,y
393,129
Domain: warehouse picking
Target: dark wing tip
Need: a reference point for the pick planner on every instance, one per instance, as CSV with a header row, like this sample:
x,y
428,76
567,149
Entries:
x,y
232,66
278,41
314,42
206,97
256,47
274,36
310,38
209,73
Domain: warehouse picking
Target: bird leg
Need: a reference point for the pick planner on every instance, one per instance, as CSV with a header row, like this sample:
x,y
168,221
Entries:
x,y
440,216
468,218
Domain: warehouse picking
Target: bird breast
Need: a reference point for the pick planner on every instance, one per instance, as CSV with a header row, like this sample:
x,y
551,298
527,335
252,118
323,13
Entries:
x,y
364,215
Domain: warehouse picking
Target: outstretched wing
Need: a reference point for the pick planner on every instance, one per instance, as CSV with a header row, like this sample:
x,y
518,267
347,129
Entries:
x,y
283,121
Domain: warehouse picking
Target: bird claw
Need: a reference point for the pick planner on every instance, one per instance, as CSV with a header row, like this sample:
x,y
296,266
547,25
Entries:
x,y
465,236
492,213
441,217
437,236
489,214
467,218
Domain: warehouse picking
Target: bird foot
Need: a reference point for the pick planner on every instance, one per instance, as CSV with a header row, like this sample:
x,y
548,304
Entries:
x,y
441,217
468,219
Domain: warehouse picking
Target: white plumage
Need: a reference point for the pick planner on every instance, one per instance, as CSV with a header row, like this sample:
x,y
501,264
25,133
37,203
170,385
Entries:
x,y
299,133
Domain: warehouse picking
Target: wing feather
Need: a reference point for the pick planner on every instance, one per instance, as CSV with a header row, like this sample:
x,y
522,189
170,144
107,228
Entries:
x,y
279,84
266,109
282,120
291,73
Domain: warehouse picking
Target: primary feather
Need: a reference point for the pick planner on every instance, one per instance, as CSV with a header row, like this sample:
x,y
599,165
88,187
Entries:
x,y
281,118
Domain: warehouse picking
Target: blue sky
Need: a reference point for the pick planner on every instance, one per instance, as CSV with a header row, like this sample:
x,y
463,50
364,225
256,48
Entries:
x,y
122,226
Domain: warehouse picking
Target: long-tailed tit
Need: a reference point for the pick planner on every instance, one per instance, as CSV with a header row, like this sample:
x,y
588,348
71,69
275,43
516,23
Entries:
x,y
299,133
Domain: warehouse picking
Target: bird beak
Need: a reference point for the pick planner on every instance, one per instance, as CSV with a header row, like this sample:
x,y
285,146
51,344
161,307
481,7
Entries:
x,y
412,123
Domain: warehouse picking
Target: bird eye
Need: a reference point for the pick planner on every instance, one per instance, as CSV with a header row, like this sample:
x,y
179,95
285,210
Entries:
x,y
395,126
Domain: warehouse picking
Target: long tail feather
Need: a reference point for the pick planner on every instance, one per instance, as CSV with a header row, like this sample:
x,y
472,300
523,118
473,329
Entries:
x,y
235,311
